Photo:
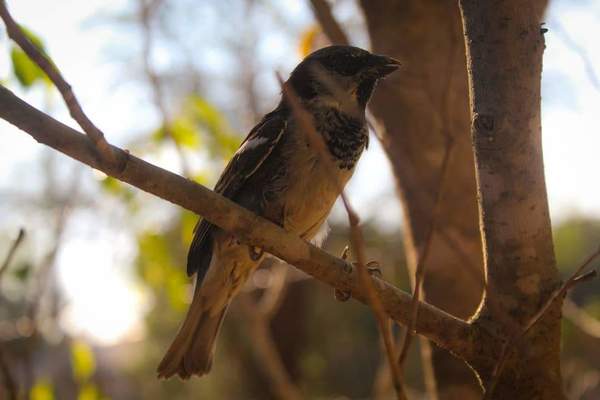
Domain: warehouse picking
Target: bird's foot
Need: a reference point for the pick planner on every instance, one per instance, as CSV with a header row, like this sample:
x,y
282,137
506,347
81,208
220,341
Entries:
x,y
339,294
255,252
374,269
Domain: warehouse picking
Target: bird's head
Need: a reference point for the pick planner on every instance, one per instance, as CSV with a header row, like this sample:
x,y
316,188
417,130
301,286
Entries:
x,y
340,75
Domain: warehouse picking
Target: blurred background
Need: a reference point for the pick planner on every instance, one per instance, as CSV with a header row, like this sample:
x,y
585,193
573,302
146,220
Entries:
x,y
97,287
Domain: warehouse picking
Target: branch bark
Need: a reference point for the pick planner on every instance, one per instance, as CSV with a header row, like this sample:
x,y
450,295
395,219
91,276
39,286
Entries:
x,y
504,46
447,331
16,33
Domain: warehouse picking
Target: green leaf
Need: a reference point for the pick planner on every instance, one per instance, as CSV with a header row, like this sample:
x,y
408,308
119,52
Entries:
x,y
208,114
159,135
184,133
111,185
188,222
22,272
82,360
225,141
159,270
177,289
42,390
181,130
25,70
117,188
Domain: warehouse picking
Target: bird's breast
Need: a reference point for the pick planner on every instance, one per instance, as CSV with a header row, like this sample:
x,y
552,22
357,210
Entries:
x,y
312,190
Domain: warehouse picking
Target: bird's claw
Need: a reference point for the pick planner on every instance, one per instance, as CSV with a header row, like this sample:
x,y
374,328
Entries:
x,y
344,256
374,269
342,295
255,253
345,252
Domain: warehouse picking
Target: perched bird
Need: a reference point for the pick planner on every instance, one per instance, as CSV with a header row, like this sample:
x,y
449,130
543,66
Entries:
x,y
278,174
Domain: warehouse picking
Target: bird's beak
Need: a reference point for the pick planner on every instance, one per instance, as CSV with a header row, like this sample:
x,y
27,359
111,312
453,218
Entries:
x,y
383,65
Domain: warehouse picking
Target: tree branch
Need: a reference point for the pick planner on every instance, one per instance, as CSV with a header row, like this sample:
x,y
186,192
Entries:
x,y
16,33
329,24
447,331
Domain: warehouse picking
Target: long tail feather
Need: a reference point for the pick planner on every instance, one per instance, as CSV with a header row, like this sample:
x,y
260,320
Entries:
x,y
191,353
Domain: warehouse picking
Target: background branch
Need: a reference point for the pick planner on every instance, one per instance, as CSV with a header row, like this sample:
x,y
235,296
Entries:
x,y
259,314
147,11
7,376
11,253
329,24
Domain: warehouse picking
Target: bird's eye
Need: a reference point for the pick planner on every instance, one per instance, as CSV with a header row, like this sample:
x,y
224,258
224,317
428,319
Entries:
x,y
347,64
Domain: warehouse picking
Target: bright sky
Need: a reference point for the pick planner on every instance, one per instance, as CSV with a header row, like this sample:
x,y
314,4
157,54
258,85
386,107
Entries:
x,y
94,264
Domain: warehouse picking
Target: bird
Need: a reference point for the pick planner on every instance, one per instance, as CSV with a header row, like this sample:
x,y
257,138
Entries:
x,y
279,174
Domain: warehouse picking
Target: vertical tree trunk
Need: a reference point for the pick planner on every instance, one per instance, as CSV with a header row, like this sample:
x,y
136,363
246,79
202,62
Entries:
x,y
419,106
504,56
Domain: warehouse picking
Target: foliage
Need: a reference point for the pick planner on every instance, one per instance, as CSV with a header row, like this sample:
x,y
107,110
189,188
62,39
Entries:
x,y
42,390
25,70
82,360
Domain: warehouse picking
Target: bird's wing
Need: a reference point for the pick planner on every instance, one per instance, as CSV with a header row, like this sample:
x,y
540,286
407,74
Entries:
x,y
251,154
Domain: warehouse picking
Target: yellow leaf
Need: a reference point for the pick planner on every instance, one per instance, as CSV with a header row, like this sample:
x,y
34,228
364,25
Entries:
x,y
88,392
82,360
307,40
42,390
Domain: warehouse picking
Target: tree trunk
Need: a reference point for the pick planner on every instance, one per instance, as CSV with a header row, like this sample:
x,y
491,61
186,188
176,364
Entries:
x,y
422,105
504,46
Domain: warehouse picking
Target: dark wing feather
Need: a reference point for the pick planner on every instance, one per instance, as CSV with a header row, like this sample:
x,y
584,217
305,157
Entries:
x,y
253,151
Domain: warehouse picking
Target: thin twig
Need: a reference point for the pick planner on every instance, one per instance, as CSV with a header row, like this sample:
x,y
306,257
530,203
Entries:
x,y
588,64
577,277
146,13
16,34
421,263
7,377
316,140
42,278
11,253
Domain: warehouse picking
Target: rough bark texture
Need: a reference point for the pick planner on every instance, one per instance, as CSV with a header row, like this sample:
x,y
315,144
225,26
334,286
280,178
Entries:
x,y
419,107
504,47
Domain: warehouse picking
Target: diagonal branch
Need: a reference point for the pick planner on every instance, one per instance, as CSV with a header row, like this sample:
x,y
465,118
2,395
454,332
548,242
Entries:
x,y
576,277
16,33
146,15
11,253
421,263
329,24
356,238
447,331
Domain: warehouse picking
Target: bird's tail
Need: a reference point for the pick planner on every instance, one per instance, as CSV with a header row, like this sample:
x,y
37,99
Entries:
x,y
191,353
